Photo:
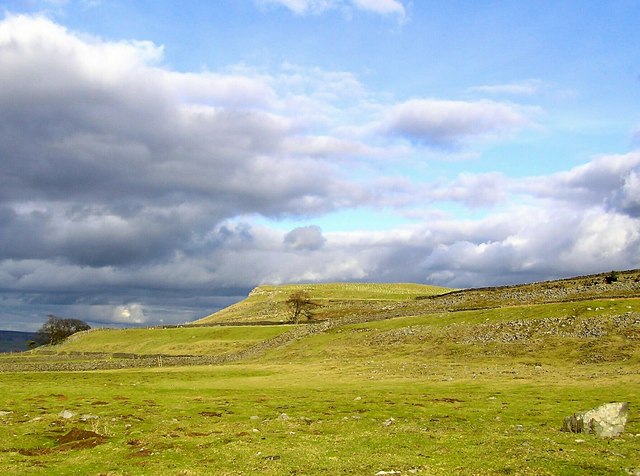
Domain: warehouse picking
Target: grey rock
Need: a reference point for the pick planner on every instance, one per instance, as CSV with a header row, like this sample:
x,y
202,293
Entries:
x,y
606,421
389,422
66,414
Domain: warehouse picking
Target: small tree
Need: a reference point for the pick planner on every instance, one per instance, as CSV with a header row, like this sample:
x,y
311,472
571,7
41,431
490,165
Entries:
x,y
56,329
301,305
612,277
32,344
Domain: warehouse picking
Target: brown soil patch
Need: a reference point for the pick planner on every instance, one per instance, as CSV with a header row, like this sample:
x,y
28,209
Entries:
x,y
34,452
142,452
77,439
211,414
447,400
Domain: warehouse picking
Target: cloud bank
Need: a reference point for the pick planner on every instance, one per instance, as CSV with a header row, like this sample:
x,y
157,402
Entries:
x,y
129,192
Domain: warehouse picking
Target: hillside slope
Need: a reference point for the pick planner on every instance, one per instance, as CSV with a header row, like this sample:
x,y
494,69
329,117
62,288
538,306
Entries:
x,y
267,303
548,315
376,301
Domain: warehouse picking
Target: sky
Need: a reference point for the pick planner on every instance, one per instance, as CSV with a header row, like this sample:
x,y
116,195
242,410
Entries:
x,y
159,159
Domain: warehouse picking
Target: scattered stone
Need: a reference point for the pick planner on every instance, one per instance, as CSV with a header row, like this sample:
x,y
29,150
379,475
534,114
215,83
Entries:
x,y
357,399
254,417
385,473
606,421
66,414
284,417
5,413
389,422
88,417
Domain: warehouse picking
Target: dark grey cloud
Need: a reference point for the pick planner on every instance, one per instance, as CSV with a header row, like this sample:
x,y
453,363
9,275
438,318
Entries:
x,y
305,238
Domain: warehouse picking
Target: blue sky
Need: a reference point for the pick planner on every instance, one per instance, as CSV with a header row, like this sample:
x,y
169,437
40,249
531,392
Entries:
x,y
162,158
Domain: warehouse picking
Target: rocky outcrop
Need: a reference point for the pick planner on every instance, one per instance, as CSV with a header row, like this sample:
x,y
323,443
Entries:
x,y
606,421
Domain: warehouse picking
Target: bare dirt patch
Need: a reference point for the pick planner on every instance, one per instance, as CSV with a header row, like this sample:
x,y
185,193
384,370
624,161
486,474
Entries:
x,y
77,439
447,400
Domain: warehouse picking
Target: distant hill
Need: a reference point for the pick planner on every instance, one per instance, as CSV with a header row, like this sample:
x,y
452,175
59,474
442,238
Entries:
x,y
547,318
14,341
370,301
267,303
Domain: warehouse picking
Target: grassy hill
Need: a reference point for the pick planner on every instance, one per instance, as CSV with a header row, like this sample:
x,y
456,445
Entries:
x,y
267,303
591,298
391,379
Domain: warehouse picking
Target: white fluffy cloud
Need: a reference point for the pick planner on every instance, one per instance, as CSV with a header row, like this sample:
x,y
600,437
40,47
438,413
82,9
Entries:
x,y
526,87
610,181
440,122
381,7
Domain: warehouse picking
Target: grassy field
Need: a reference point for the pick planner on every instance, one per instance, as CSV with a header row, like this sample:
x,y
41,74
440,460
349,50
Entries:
x,y
176,340
472,392
314,419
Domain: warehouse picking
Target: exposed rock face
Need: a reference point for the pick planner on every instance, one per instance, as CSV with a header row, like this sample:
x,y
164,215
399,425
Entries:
x,y
606,421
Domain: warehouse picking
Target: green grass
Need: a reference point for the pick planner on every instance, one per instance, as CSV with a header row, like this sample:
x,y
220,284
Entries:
x,y
354,291
435,393
549,335
173,341
267,303
229,420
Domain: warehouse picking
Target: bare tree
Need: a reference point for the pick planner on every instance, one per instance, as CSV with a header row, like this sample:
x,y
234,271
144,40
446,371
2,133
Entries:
x,y
56,329
301,305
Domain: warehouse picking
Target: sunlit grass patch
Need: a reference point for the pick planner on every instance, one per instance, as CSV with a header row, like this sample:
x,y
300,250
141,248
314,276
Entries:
x,y
301,418
175,340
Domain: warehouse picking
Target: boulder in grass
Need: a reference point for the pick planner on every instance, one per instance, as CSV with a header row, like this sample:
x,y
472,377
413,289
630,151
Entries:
x,y
606,421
